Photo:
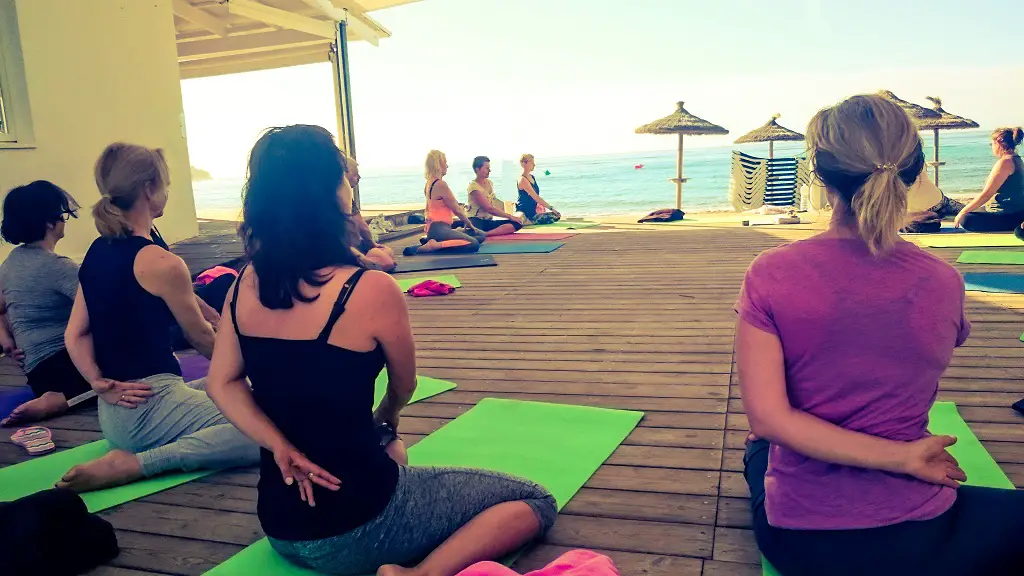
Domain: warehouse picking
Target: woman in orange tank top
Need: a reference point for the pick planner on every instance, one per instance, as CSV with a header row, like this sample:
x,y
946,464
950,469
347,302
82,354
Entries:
x,y
441,210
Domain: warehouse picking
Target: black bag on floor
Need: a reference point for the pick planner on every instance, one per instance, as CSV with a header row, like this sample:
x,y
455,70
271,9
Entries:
x,y
51,533
663,215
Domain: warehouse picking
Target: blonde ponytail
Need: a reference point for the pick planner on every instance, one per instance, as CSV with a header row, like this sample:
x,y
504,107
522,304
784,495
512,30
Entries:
x,y
123,173
867,152
880,207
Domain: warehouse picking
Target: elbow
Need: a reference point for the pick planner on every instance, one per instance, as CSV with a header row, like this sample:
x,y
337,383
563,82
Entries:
x,y
766,426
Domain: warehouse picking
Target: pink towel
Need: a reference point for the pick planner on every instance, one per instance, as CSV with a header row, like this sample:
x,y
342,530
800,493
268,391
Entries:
x,y
430,288
572,563
212,274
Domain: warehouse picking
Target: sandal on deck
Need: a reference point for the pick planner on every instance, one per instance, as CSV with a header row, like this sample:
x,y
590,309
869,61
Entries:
x,y
36,440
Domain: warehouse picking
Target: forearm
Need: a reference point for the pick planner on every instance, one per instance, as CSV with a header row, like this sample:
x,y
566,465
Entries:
x,y
822,440
235,401
401,386
83,356
201,338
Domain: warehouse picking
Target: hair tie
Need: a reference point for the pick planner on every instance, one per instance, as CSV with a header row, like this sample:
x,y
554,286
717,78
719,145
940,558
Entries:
x,y
887,167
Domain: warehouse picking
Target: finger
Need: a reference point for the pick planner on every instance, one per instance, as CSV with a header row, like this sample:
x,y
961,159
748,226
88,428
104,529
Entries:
x,y
957,474
135,387
947,441
307,467
331,485
309,495
286,475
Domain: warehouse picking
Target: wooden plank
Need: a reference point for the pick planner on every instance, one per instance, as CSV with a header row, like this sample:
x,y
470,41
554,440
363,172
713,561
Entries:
x,y
676,508
720,568
631,536
736,545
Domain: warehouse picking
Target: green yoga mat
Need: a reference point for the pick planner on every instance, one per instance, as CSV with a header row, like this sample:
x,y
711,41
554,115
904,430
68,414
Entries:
x,y
555,445
450,279
990,257
42,473
968,240
981,469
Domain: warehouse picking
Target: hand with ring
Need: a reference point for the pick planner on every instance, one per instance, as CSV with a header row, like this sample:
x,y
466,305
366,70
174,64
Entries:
x,y
124,394
297,469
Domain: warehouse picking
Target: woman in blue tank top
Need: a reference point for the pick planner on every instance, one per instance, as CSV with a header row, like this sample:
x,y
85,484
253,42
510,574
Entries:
x,y
132,291
304,299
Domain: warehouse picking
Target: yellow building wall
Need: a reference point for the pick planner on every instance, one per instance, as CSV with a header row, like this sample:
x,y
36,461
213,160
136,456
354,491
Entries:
x,y
100,71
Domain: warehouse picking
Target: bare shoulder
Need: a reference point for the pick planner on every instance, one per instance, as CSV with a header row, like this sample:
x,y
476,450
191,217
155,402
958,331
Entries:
x,y
154,260
1006,164
442,186
379,283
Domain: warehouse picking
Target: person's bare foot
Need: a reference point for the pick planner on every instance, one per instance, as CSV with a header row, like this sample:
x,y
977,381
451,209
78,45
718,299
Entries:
x,y
430,246
396,570
115,468
48,405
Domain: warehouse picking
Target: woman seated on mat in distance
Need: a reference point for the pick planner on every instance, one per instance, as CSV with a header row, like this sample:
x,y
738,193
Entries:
x,y
484,204
1003,195
37,288
371,255
132,291
442,208
841,341
530,204
306,299
927,206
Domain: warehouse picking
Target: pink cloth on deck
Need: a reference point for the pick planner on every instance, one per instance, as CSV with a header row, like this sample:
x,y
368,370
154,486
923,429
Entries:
x,y
212,274
572,563
431,288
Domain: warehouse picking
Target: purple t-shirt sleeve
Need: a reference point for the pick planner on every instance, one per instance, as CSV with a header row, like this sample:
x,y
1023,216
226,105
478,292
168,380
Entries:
x,y
754,305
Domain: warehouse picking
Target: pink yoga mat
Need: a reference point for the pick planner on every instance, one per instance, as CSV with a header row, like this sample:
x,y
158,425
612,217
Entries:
x,y
530,237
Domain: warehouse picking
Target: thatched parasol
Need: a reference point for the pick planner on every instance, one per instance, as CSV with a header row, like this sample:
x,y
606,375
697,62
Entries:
x,y
769,133
917,113
945,121
681,123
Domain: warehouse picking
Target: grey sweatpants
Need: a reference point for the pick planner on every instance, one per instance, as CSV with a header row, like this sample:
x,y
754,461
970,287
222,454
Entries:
x,y
178,429
428,506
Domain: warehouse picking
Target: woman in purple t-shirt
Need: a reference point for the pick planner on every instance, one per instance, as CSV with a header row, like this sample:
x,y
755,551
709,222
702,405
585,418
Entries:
x,y
841,341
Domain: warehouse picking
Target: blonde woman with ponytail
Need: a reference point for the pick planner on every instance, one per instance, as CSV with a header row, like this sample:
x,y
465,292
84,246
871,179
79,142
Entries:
x,y
133,290
1003,195
841,341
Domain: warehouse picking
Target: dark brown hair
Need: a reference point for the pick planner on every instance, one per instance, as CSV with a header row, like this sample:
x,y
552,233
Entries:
x,y
1008,138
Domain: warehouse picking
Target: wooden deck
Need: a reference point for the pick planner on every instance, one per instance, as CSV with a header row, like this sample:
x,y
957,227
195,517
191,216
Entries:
x,y
627,319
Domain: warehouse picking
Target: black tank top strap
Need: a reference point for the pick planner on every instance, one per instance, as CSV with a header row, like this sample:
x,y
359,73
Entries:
x,y
339,304
430,193
234,299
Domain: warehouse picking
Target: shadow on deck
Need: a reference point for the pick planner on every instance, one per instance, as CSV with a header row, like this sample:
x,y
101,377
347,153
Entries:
x,y
633,319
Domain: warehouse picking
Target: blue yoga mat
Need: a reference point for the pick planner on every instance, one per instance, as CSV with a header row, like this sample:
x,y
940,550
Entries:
x,y
519,247
12,399
994,282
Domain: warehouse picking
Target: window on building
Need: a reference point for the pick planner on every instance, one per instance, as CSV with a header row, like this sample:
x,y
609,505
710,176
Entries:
x,y
15,116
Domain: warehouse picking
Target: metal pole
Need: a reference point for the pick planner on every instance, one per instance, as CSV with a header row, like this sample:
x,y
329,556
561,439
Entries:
x,y
936,149
679,175
771,149
343,90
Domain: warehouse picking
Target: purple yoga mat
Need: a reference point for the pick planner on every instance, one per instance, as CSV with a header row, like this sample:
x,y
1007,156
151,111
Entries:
x,y
194,367
12,399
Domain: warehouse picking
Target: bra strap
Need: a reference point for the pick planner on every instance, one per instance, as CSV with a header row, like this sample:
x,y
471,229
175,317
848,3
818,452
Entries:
x,y
339,304
234,299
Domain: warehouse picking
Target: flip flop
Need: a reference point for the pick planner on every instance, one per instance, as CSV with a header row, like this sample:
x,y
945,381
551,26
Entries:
x,y
36,440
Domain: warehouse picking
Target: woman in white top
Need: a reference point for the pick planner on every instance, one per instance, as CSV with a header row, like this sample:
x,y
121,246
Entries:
x,y
484,204
927,206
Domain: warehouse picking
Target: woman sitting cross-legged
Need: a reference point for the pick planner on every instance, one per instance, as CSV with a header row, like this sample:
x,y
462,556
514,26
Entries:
x,y
1003,195
132,291
312,330
840,343
486,211
37,288
534,208
441,210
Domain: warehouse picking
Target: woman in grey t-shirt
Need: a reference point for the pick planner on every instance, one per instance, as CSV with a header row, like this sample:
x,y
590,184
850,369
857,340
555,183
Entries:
x,y
37,288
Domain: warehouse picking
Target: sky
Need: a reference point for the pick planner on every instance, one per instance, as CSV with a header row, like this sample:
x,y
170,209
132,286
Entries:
x,y
576,77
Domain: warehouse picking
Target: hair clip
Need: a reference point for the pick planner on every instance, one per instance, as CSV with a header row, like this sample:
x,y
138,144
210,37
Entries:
x,y
889,166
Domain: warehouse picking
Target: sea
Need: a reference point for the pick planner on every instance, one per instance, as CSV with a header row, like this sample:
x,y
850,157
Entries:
x,y
613,184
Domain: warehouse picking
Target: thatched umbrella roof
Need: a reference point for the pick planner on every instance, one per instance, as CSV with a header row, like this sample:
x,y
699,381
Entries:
x,y
681,122
770,132
945,121
916,113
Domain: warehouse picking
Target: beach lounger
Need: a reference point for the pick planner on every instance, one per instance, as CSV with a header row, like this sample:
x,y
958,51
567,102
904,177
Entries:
x,y
556,445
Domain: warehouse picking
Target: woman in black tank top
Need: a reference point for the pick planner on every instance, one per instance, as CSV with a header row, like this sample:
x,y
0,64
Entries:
x,y
132,291
311,331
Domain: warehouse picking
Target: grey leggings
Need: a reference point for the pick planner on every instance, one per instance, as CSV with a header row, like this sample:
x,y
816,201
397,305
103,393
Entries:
x,y
428,506
178,429
440,231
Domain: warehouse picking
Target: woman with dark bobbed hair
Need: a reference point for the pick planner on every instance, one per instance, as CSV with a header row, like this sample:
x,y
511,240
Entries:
x,y
37,289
